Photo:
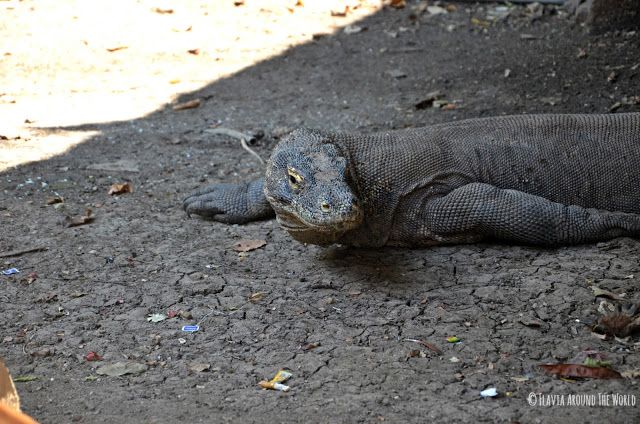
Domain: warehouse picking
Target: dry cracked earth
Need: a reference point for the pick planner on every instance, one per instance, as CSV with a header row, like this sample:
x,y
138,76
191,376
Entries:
x,y
337,318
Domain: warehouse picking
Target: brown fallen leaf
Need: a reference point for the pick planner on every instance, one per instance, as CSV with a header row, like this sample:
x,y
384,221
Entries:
x,y
191,104
163,11
256,297
115,49
120,188
52,200
398,4
530,322
310,346
194,51
78,220
579,371
415,353
33,276
248,245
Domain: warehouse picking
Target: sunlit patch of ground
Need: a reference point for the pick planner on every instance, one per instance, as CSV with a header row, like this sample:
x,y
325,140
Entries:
x,y
72,62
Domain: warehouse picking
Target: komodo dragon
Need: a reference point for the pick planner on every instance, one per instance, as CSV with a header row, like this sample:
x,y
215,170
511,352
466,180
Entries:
x,y
533,179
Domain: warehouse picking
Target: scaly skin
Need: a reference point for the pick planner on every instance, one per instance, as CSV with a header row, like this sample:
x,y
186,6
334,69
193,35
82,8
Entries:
x,y
533,179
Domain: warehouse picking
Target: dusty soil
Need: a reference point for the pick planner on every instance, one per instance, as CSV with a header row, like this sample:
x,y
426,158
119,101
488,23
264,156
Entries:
x,y
97,283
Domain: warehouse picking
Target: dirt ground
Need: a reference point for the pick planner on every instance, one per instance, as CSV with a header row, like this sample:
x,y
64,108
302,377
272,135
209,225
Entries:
x,y
337,318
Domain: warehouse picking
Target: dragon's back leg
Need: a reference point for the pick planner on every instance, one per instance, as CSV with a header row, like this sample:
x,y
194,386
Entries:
x,y
484,210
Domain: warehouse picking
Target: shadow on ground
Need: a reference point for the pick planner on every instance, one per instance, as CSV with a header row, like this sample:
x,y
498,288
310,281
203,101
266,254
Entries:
x,y
337,318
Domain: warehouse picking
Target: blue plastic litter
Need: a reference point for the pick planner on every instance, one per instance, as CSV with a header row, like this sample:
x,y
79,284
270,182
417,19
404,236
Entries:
x,y
10,271
190,328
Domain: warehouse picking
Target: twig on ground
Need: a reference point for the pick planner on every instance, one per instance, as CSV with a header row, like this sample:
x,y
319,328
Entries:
x,y
23,251
240,136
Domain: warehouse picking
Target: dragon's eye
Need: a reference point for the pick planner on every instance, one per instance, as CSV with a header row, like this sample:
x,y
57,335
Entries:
x,y
295,179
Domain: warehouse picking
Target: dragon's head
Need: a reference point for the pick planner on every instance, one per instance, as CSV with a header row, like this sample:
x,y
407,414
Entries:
x,y
308,185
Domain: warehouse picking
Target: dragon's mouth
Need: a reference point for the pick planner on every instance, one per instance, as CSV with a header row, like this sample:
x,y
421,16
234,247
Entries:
x,y
289,225
294,223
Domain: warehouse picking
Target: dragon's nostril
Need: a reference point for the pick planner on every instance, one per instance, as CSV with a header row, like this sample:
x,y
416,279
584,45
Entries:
x,y
325,207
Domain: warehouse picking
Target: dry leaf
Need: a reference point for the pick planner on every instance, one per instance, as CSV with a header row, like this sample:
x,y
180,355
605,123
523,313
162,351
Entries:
x,y
78,220
580,371
631,373
398,4
199,367
191,104
531,322
248,245
194,51
415,353
33,276
52,200
163,11
256,297
120,188
115,49
310,346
